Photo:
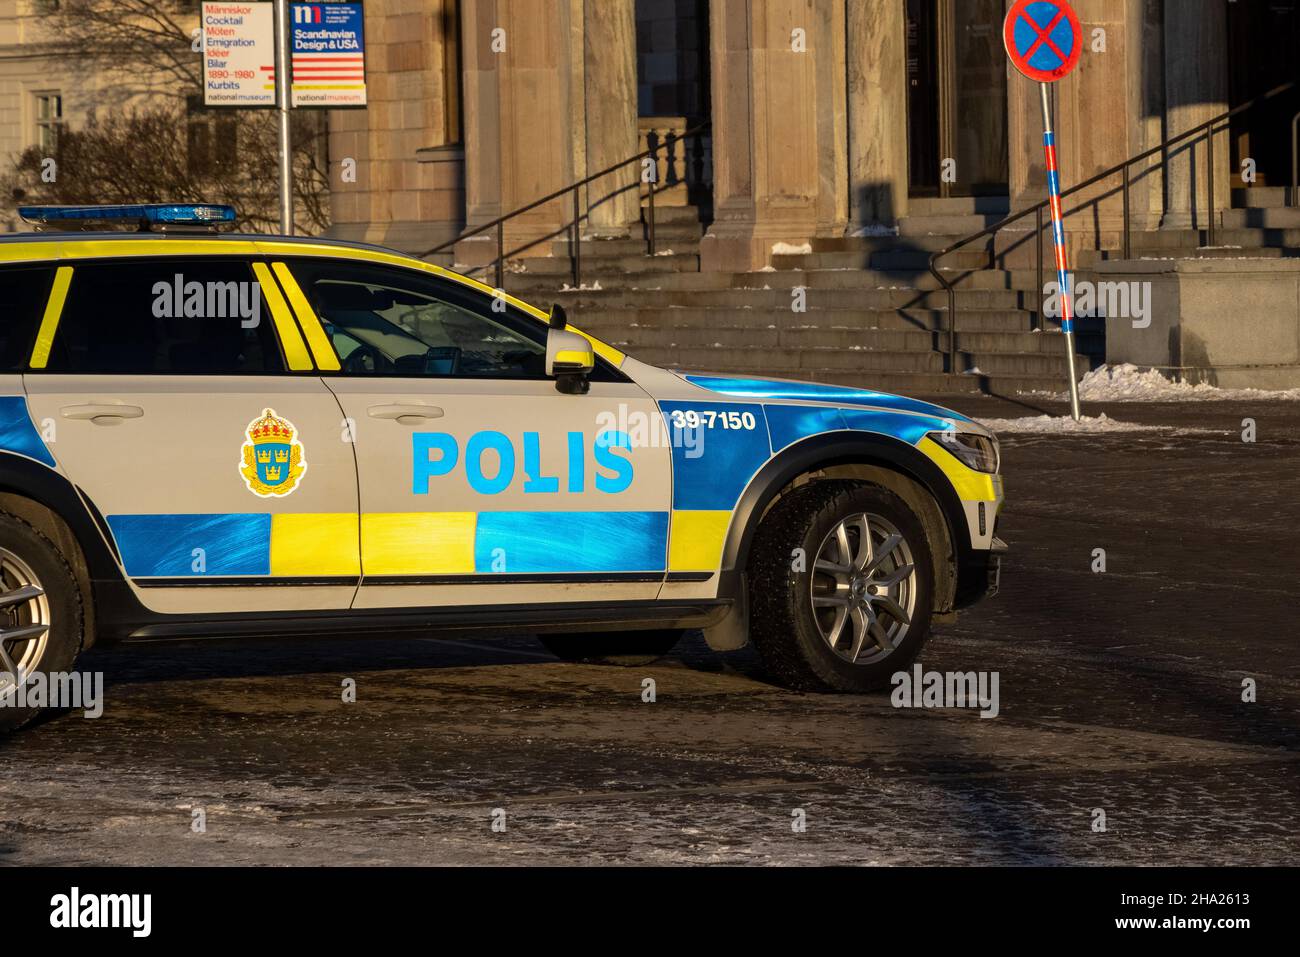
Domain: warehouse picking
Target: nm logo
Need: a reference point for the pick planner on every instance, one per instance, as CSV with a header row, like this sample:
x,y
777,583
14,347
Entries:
x,y
306,13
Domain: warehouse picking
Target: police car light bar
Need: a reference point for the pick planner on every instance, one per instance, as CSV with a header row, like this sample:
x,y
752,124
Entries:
x,y
145,216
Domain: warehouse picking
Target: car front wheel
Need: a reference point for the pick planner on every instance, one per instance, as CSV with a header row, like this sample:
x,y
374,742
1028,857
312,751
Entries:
x,y
840,587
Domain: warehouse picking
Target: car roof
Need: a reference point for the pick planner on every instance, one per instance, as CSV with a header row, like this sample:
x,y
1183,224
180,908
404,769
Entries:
x,y
114,235
94,244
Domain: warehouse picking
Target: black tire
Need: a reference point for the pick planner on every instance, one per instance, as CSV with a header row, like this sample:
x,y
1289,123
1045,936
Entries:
x,y
782,623
627,649
63,640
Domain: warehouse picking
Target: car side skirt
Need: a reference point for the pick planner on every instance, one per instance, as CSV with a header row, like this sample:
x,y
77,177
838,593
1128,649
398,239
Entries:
x,y
123,619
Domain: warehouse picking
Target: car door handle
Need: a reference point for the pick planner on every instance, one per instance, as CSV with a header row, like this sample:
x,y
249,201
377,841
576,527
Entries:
x,y
96,410
406,414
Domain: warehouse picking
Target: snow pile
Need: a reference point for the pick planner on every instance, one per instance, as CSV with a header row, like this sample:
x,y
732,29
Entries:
x,y
1062,424
1129,383
788,249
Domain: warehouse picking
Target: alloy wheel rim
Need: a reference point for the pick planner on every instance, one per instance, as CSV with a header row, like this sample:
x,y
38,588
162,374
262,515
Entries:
x,y
863,588
24,621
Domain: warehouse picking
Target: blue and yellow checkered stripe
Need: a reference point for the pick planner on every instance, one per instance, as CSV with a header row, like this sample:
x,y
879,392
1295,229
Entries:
x,y
708,480
237,544
315,545
689,537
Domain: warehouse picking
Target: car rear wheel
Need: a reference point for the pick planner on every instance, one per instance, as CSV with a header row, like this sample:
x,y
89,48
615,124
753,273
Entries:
x,y
40,614
626,648
840,587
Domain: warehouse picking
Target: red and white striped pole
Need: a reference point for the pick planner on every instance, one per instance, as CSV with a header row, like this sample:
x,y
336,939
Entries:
x,y
1064,294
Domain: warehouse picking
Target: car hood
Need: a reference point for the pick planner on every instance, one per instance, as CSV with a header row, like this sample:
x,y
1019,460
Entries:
x,y
821,393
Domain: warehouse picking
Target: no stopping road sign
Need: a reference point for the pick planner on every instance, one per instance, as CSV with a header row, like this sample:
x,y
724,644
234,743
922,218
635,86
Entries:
x,y
1043,38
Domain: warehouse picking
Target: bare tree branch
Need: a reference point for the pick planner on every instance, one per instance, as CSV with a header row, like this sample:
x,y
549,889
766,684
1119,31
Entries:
x,y
148,155
143,144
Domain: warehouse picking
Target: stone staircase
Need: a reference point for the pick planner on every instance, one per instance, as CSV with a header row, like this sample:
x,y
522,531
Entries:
x,y
872,315
678,231
1259,226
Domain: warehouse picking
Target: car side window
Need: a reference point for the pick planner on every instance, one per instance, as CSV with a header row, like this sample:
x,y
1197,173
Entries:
x,y
178,316
24,292
393,322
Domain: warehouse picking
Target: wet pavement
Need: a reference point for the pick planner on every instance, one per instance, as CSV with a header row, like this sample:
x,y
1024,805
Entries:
x,y
1119,692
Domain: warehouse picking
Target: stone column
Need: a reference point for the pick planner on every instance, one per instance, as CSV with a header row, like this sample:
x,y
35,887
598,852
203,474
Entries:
x,y
481,94
518,134
1196,89
1146,103
877,108
827,34
574,83
769,142
609,28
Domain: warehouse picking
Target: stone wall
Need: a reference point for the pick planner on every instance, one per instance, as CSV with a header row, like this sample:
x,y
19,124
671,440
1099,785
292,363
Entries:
x,y
1233,323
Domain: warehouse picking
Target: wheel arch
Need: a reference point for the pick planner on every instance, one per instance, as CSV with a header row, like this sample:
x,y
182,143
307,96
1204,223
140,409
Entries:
x,y
877,459
54,507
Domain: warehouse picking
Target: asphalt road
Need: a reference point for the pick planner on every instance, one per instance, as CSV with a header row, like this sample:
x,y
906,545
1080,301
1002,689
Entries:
x,y
1119,691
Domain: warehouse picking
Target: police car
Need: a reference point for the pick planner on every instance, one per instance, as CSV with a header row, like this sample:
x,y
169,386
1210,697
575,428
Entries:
x,y
210,434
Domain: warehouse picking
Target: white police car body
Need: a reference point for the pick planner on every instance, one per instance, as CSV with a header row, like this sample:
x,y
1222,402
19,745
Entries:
x,y
248,435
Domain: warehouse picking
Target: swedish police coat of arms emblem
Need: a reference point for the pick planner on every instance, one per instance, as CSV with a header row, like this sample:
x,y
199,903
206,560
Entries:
x,y
273,462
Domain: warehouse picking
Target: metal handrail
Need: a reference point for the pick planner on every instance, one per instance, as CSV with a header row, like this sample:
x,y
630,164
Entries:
x,y
1037,209
499,223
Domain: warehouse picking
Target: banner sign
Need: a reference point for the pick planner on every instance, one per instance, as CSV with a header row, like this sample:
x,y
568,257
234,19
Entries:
x,y
238,54
328,49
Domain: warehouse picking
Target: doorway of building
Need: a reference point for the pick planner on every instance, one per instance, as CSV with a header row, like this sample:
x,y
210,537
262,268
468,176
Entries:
x,y
672,66
1263,44
957,98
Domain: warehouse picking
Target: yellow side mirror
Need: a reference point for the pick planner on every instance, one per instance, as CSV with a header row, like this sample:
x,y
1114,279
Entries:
x,y
569,359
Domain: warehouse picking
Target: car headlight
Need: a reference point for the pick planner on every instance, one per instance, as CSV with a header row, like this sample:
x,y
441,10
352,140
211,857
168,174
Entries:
x,y
975,451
